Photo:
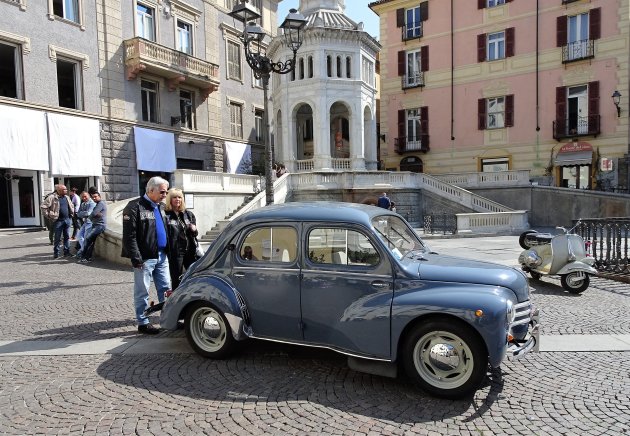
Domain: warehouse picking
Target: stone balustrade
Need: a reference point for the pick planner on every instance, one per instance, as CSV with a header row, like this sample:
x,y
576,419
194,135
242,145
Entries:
x,y
487,180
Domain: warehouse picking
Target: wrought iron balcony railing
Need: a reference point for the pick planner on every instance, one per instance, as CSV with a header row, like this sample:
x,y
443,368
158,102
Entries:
x,y
607,241
412,31
576,126
406,144
413,80
578,50
144,55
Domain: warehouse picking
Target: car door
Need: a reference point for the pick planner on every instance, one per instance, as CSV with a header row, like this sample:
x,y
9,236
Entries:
x,y
347,291
265,270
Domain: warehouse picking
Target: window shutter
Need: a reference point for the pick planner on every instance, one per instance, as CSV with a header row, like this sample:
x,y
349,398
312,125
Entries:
x,y
593,106
509,42
401,125
561,106
481,113
595,23
424,58
402,55
481,47
424,11
400,17
561,31
424,127
481,4
509,110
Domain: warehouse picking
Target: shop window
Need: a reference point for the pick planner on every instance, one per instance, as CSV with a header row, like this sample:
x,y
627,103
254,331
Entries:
x,y
495,165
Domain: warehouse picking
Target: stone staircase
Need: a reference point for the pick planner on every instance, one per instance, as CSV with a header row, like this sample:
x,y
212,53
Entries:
x,y
212,234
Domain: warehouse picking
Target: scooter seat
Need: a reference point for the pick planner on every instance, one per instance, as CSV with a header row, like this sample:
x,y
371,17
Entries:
x,y
541,238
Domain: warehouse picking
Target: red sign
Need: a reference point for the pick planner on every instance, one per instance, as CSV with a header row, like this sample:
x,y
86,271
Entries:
x,y
605,164
572,147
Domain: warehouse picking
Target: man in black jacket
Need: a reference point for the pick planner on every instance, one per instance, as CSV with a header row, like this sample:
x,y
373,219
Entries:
x,y
145,243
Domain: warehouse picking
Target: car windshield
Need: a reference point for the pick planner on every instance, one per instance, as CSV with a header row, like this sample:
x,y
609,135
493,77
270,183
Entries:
x,y
397,236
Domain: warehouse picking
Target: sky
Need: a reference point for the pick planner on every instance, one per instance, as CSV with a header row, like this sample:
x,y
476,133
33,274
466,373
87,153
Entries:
x,y
357,10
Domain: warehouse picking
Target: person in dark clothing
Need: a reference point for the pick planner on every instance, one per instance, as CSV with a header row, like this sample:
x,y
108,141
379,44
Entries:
x,y
58,208
145,242
383,201
182,235
98,218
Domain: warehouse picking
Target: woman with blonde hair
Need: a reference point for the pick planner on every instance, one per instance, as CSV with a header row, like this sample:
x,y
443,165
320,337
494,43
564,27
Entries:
x,y
182,235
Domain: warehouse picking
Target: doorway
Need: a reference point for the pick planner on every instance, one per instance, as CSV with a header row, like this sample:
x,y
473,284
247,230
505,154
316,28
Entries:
x,y
576,177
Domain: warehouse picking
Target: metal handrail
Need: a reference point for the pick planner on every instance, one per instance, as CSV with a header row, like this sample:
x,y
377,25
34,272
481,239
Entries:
x,y
606,240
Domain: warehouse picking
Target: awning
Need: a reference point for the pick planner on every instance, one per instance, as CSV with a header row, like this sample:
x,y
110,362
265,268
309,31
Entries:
x,y
75,145
23,139
575,158
155,150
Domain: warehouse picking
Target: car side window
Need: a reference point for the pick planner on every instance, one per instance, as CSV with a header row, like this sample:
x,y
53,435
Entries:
x,y
337,246
269,244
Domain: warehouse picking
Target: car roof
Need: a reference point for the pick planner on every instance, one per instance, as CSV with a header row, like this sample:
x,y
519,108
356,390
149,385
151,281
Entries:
x,y
323,211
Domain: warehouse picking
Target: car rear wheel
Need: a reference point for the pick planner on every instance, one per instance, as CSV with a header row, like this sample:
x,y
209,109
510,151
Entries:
x,y
208,331
445,358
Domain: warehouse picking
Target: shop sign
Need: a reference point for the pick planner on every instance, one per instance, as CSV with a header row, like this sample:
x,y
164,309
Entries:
x,y
573,147
605,164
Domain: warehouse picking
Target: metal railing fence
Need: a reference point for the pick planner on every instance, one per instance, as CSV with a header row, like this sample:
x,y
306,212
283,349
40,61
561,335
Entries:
x,y
606,240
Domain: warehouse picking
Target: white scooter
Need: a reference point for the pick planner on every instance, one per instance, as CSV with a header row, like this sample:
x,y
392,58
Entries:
x,y
563,255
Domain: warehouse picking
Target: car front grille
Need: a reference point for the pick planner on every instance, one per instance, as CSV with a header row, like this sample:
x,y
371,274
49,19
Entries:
x,y
523,313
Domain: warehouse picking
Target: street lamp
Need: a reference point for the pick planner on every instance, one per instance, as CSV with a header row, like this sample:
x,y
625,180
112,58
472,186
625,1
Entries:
x,y
616,100
252,38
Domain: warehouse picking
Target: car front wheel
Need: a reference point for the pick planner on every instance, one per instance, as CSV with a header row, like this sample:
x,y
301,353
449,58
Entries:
x,y
445,358
208,331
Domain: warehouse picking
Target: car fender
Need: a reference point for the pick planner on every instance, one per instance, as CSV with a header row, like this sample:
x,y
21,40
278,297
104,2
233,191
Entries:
x,y
460,301
210,288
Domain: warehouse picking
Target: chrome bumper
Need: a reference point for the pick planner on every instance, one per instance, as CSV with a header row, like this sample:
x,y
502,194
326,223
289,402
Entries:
x,y
516,350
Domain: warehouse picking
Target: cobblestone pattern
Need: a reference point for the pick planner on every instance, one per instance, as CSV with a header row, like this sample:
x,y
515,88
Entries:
x,y
272,391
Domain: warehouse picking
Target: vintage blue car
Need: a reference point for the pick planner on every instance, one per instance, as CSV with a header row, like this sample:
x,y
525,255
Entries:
x,y
358,280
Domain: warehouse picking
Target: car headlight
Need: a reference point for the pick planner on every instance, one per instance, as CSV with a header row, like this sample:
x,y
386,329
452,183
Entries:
x,y
509,311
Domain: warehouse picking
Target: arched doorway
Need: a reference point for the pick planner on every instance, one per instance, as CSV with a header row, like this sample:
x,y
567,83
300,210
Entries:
x,y
412,164
304,132
339,131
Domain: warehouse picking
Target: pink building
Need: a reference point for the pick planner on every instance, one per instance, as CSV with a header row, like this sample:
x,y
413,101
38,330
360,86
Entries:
x,y
494,85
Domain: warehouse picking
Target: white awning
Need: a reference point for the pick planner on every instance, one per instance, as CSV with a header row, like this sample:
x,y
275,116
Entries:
x,y
23,139
574,158
155,150
75,145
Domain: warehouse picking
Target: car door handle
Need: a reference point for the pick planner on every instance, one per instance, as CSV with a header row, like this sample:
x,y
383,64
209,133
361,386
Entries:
x,y
239,275
379,284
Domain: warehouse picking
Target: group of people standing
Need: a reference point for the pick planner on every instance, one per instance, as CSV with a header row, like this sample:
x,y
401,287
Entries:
x,y
160,239
86,213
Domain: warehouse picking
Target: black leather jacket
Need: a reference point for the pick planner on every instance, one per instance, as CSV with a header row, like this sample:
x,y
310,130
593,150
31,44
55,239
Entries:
x,y
181,239
139,240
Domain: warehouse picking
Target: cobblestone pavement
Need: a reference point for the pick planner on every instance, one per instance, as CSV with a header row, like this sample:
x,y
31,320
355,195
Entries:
x,y
276,389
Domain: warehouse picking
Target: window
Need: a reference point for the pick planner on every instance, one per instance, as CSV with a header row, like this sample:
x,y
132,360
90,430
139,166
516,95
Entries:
x,y
258,81
229,4
234,60
301,68
413,129
410,20
236,120
337,246
310,67
145,21
481,4
258,125
184,37
66,9
576,34
10,70
329,65
493,3
149,96
496,46
494,165
69,83
367,71
496,113
414,67
187,108
348,70
338,66
257,4
269,244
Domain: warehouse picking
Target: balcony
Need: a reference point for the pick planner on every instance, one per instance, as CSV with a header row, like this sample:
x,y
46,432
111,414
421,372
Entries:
x,y
576,127
414,80
578,50
142,55
407,144
412,31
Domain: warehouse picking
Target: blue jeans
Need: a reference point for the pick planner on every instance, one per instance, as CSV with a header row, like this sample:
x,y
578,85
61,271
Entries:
x,y
90,239
62,226
83,232
152,269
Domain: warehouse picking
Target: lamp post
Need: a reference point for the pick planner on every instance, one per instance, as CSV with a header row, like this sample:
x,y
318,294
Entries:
x,y
252,38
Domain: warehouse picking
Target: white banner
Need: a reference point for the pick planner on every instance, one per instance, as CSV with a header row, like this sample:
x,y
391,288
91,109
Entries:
x,y
238,158
155,150
75,145
23,139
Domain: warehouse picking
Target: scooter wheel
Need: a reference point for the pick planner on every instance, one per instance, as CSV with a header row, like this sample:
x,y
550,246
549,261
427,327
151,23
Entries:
x,y
535,275
522,240
575,282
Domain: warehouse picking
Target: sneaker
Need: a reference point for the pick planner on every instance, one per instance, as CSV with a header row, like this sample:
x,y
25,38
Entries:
x,y
84,261
66,254
55,256
148,329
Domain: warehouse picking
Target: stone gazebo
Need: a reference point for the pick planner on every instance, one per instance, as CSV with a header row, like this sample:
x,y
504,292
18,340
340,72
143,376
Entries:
x,y
323,115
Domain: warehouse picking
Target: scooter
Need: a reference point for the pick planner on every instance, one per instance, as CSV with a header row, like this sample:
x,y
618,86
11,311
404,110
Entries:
x,y
564,255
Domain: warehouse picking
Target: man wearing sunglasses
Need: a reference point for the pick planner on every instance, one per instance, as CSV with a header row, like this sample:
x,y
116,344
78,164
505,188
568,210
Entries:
x,y
145,243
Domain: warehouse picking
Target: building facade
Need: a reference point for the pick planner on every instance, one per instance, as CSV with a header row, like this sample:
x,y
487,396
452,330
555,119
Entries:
x,y
324,111
492,85
109,93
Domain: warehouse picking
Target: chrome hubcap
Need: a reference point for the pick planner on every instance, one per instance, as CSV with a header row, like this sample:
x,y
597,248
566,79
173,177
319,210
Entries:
x,y
208,329
443,359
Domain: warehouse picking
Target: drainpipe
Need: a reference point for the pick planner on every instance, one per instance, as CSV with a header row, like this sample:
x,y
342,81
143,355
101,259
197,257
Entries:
x,y
452,78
